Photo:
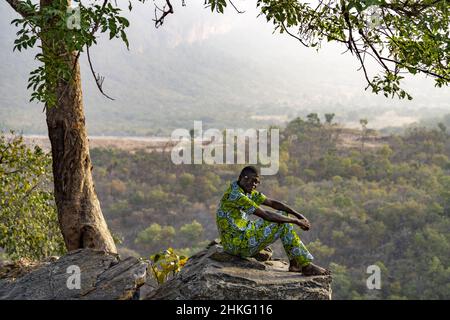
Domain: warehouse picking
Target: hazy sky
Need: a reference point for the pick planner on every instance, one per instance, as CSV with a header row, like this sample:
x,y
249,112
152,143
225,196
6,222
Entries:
x,y
251,35
327,77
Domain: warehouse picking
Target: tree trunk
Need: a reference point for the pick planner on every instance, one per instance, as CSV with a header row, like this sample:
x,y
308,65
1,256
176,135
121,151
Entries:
x,y
79,213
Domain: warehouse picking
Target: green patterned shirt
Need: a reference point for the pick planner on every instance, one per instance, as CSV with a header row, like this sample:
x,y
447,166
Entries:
x,y
234,210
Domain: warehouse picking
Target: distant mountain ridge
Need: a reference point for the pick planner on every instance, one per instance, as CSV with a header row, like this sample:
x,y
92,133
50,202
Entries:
x,y
219,69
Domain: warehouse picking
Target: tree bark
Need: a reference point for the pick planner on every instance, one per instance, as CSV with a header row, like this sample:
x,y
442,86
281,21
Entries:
x,y
79,213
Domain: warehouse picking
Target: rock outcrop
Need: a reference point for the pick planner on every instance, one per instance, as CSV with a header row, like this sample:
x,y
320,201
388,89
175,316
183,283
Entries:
x,y
210,274
101,276
214,274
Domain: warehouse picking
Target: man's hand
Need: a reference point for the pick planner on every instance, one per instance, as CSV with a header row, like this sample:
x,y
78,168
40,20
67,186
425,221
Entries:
x,y
304,224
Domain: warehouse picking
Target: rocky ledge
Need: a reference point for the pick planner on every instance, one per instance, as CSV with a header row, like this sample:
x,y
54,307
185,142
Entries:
x,y
214,274
210,274
81,274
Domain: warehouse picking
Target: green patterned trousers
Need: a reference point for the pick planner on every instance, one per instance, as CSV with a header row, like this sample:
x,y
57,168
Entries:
x,y
259,234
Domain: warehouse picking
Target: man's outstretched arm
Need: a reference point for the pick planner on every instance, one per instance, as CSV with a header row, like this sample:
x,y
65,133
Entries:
x,y
277,205
278,218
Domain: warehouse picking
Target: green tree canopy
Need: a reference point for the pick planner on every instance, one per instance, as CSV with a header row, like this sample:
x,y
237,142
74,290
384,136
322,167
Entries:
x,y
28,222
156,237
399,36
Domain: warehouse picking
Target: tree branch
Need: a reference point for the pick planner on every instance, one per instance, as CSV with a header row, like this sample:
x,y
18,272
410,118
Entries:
x,y
98,78
352,45
425,71
293,35
20,8
159,21
235,8
93,31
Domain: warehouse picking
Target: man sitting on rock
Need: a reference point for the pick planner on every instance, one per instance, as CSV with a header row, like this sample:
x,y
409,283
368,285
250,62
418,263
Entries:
x,y
246,238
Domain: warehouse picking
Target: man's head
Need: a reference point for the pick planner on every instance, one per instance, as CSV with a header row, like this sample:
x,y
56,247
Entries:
x,y
249,179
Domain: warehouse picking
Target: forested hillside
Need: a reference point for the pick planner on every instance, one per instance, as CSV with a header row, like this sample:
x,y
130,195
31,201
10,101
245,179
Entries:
x,y
384,203
371,199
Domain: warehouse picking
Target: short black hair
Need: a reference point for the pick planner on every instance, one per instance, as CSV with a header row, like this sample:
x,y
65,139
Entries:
x,y
248,170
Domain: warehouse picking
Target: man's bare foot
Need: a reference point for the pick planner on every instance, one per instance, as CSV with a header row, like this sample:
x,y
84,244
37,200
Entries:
x,y
309,270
